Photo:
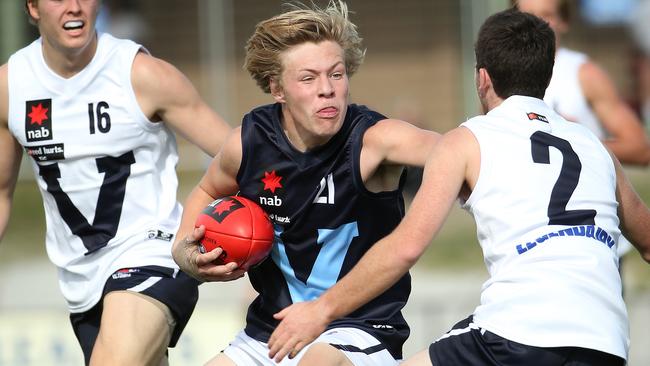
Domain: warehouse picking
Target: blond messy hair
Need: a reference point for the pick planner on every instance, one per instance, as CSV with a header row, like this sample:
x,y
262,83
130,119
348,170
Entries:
x,y
296,26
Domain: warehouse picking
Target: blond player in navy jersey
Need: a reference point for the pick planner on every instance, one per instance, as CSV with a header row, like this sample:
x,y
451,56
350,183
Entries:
x,y
328,173
548,200
94,114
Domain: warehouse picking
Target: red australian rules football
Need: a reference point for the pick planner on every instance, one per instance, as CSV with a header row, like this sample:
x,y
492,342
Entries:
x,y
240,227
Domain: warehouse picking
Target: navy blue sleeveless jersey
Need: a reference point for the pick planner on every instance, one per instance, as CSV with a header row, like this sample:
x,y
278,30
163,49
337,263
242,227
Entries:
x,y
324,218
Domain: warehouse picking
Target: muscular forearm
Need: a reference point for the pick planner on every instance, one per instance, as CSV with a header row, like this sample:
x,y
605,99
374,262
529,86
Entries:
x,y
380,268
636,229
184,251
197,200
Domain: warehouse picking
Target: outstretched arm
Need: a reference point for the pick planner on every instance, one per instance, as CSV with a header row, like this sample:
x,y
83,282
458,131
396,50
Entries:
x,y
10,154
164,93
392,141
633,214
626,136
390,258
218,181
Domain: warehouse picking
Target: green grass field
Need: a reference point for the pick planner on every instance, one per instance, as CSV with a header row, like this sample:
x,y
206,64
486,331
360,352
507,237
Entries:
x,y
455,248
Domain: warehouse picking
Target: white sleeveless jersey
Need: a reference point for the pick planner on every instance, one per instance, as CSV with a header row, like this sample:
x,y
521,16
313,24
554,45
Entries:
x,y
106,173
564,93
546,216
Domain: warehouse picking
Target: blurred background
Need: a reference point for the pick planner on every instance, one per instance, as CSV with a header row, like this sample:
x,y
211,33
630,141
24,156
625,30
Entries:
x,y
419,67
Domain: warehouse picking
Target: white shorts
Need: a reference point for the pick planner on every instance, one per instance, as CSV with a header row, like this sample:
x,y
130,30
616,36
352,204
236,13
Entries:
x,y
359,347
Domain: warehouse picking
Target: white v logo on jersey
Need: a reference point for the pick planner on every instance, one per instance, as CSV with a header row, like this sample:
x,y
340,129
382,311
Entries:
x,y
328,196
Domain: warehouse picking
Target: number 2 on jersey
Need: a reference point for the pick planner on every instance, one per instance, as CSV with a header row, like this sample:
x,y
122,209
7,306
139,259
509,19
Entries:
x,y
566,182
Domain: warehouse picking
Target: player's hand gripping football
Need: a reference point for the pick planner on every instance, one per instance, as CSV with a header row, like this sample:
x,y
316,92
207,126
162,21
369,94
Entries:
x,y
203,267
300,324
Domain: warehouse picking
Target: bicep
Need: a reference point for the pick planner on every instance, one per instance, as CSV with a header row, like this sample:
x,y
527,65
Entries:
x,y
221,176
183,109
445,172
401,143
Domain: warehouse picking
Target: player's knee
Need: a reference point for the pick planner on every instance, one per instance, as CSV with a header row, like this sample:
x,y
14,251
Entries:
x,y
324,354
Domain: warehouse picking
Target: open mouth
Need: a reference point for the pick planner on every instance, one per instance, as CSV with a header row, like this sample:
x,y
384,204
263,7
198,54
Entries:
x,y
73,24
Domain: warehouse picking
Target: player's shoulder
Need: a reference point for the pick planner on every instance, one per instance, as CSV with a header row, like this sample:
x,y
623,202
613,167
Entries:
x,y
154,76
147,65
383,130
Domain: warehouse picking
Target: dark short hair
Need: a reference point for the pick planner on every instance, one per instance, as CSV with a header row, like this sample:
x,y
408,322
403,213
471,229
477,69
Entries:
x,y
518,51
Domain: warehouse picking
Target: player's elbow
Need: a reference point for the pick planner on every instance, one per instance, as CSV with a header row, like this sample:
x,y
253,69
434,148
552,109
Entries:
x,y
638,157
644,155
409,254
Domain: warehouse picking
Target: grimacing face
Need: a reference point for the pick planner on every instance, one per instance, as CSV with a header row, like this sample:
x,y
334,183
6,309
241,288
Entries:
x,y
66,25
314,90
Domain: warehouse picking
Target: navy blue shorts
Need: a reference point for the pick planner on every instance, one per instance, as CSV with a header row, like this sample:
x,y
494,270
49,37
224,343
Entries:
x,y
467,344
180,293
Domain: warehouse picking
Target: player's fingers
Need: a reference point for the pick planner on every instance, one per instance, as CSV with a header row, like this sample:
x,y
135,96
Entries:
x,y
273,339
296,349
238,273
226,272
198,233
284,351
276,343
277,340
209,257
282,313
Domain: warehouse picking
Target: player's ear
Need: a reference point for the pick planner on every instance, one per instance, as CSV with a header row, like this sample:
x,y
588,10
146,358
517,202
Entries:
x,y
276,90
483,82
31,7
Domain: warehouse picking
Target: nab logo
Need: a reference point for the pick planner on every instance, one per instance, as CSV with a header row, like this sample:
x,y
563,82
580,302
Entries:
x,y
271,201
221,208
38,120
271,183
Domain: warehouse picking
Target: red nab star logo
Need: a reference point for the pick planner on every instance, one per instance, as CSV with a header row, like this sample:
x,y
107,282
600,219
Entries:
x,y
38,114
222,207
271,181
